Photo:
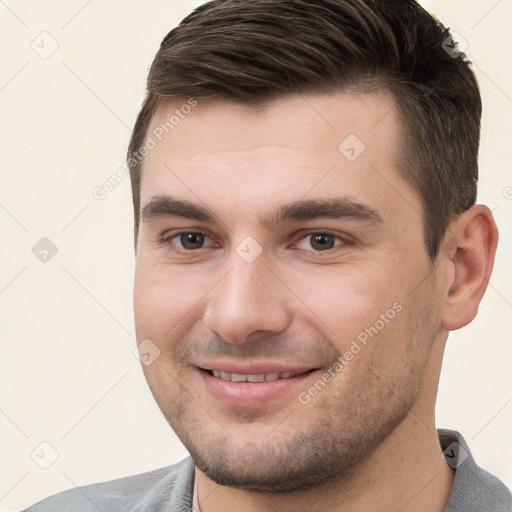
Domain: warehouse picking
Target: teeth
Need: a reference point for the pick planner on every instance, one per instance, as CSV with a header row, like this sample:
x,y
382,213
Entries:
x,y
256,378
262,377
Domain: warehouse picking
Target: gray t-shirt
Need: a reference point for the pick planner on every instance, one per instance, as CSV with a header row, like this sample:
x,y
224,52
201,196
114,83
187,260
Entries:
x,y
171,489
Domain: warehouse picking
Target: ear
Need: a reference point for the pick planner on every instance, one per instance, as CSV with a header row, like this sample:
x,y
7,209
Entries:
x,y
469,247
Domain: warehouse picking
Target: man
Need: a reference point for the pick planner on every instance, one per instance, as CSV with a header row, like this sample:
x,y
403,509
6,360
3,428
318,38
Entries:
x,y
304,183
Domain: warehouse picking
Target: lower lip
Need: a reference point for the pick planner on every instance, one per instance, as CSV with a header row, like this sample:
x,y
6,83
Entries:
x,y
253,394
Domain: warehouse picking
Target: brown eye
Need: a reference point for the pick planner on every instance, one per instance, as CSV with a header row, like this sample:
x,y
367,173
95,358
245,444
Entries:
x,y
188,241
320,242
191,241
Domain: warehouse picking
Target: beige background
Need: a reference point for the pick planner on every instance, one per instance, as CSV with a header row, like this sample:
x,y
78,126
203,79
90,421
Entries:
x,y
69,377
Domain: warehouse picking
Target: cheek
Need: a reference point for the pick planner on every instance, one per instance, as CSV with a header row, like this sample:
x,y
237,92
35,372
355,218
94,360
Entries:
x,y
347,301
164,303
164,300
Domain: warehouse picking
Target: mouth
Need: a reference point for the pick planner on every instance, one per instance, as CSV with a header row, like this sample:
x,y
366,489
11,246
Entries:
x,y
252,388
259,377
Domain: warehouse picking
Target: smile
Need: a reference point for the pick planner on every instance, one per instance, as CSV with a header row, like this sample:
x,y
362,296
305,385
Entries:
x,y
261,377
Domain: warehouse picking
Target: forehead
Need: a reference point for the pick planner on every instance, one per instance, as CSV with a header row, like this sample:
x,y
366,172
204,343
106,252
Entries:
x,y
226,125
314,146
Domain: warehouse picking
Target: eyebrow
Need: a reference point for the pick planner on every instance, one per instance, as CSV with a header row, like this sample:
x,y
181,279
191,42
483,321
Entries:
x,y
334,208
167,206
343,207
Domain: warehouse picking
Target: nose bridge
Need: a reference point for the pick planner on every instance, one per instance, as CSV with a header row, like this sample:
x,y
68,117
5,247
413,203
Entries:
x,y
249,298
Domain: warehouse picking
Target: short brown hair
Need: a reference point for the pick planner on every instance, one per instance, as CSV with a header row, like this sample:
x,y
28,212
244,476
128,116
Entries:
x,y
254,51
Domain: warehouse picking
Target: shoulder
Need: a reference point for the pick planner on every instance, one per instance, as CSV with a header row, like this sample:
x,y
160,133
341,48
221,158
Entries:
x,y
474,489
123,494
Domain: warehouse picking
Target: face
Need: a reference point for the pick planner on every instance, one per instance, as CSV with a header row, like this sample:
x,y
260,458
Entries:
x,y
283,277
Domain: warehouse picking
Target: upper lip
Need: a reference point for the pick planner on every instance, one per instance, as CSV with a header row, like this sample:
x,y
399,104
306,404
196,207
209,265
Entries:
x,y
255,368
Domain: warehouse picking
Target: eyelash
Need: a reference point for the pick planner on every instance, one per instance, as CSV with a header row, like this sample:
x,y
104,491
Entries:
x,y
167,239
345,240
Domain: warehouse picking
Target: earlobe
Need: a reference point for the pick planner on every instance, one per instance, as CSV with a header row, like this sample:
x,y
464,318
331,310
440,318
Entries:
x,y
469,248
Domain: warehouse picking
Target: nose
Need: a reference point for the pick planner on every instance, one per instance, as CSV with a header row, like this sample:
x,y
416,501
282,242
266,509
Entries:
x,y
249,301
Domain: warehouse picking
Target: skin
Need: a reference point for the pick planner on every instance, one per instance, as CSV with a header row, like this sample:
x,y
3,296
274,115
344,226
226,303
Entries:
x,y
367,440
